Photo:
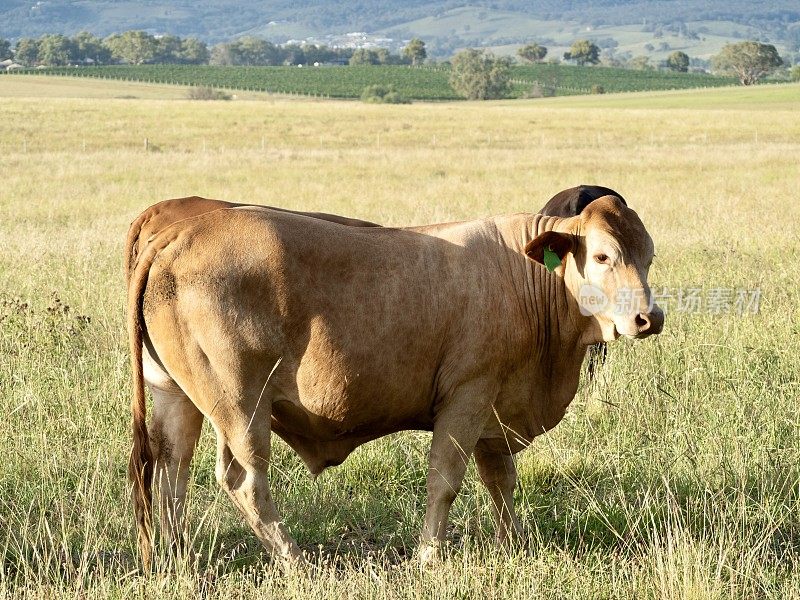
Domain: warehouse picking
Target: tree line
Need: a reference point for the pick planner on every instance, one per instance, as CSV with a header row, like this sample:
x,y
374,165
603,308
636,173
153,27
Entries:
x,y
750,61
134,47
140,47
586,52
479,75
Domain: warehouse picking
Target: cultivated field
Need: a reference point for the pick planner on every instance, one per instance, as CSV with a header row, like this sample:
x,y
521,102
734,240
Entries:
x,y
423,83
675,475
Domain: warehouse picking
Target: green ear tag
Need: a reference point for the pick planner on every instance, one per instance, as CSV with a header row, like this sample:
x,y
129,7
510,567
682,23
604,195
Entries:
x,y
551,260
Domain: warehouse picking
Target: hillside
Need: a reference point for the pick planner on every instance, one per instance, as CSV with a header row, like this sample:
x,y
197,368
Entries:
x,y
701,27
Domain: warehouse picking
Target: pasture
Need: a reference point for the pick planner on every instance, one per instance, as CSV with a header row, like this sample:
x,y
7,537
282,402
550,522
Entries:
x,y
676,474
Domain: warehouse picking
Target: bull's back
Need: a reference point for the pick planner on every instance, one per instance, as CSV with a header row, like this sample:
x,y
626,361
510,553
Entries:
x,y
163,214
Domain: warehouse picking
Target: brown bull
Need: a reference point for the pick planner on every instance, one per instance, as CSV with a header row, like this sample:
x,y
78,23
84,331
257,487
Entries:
x,y
332,336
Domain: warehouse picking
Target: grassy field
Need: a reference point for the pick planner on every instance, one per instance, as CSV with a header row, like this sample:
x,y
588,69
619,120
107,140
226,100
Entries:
x,y
40,86
419,84
675,475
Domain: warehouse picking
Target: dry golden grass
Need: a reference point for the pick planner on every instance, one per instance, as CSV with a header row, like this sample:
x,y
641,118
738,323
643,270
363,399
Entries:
x,y
674,476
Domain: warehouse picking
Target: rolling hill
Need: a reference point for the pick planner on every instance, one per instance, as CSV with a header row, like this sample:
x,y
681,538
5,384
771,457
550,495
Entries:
x,y
698,27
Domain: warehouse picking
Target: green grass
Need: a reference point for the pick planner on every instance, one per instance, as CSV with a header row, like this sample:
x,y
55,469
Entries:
x,y
675,475
782,97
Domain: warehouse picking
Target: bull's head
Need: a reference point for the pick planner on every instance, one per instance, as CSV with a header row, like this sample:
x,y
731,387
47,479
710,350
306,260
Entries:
x,y
605,255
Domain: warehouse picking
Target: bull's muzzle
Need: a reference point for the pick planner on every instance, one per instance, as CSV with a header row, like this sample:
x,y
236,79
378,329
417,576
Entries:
x,y
649,323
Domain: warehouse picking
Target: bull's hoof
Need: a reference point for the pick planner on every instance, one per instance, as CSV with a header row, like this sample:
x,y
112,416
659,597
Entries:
x,y
513,544
295,561
429,554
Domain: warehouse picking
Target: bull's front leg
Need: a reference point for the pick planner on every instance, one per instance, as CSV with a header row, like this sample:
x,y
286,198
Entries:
x,y
457,428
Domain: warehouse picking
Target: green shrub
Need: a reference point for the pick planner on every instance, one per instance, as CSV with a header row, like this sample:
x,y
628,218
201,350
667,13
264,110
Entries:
x,y
598,89
538,90
383,94
206,93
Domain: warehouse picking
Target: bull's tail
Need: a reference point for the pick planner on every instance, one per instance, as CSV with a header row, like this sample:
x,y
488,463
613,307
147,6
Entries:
x,y
140,465
133,245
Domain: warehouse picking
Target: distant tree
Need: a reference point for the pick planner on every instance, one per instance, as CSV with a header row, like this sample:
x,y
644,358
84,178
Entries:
x,y
323,54
316,54
478,75
89,47
649,47
749,61
583,52
26,52
255,51
607,43
56,50
194,52
678,61
795,73
384,56
415,51
608,58
617,63
5,49
222,54
168,50
532,53
364,56
293,55
640,63
134,47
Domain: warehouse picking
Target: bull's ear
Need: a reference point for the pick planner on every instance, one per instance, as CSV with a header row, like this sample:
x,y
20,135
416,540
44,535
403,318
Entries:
x,y
558,243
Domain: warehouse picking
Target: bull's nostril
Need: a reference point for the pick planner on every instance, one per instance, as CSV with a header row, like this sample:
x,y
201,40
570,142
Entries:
x,y
642,322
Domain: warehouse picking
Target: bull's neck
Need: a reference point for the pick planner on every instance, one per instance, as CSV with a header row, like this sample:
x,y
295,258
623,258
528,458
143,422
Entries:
x,y
548,310
541,223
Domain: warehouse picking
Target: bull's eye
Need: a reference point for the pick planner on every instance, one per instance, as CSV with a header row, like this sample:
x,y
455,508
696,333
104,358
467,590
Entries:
x,y
601,258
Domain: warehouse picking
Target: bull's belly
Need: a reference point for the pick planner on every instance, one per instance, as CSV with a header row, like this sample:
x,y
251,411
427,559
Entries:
x,y
333,394
349,415
325,442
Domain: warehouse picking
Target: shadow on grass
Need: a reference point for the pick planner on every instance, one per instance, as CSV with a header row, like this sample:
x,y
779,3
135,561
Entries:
x,y
585,509
591,510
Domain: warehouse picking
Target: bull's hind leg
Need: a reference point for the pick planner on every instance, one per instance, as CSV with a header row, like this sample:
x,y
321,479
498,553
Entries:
x,y
499,474
242,464
174,432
